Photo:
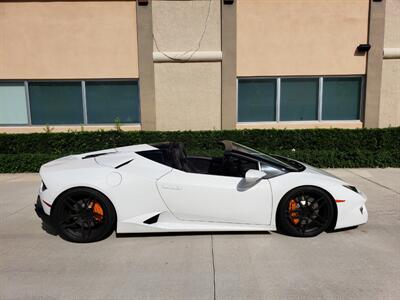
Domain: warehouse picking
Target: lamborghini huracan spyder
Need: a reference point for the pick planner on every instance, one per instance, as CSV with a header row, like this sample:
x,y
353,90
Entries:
x,y
158,188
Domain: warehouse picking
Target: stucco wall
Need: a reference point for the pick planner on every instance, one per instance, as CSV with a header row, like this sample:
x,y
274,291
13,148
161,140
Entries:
x,y
301,37
392,24
178,25
389,114
188,94
73,39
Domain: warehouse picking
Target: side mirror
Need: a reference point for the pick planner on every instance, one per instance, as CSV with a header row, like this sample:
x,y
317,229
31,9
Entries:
x,y
251,178
254,175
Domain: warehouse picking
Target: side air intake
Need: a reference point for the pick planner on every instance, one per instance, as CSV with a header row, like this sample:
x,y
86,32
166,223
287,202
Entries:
x,y
95,155
152,220
123,164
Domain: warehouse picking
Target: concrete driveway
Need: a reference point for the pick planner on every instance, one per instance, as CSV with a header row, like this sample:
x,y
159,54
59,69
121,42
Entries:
x,y
362,263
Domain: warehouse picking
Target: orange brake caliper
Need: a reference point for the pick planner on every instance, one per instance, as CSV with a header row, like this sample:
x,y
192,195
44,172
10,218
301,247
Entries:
x,y
293,215
98,210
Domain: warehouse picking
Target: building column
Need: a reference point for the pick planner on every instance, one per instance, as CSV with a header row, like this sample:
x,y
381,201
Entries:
x,y
187,64
146,65
228,72
374,63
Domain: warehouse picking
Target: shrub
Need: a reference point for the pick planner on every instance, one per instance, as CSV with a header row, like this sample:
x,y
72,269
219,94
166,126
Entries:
x,y
319,147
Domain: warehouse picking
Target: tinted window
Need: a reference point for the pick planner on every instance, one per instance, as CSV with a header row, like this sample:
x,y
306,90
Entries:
x,y
112,100
270,171
299,99
256,100
56,102
341,98
13,103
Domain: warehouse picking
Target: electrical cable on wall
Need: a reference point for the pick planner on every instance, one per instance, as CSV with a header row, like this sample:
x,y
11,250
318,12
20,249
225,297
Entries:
x,y
198,44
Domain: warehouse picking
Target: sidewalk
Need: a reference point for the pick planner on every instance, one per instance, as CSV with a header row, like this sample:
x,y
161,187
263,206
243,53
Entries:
x,y
362,263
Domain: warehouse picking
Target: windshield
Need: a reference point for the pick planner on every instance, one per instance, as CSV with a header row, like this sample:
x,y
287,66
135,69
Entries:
x,y
277,160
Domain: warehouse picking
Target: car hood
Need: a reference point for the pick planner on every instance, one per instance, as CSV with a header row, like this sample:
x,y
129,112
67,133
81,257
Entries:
x,y
316,171
311,169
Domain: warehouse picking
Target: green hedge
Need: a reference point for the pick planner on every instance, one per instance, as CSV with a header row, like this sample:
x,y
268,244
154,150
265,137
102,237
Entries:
x,y
319,147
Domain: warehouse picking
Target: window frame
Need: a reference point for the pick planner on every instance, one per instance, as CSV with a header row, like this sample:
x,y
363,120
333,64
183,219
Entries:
x,y
26,82
319,102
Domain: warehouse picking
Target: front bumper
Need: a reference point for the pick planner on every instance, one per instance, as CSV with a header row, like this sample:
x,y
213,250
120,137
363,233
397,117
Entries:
x,y
46,207
351,214
42,196
40,211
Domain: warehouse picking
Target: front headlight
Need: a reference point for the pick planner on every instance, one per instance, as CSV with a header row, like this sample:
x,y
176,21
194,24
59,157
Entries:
x,y
353,188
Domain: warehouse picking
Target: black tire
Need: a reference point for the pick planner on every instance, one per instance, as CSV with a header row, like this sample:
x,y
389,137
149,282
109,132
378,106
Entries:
x,y
83,215
305,212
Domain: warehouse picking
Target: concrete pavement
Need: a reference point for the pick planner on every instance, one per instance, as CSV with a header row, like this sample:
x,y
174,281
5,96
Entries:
x,y
354,264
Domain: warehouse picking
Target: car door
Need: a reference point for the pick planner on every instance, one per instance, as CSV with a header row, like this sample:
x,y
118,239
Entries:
x,y
215,198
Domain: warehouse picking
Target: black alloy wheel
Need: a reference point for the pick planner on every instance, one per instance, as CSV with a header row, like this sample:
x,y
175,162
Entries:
x,y
83,215
305,212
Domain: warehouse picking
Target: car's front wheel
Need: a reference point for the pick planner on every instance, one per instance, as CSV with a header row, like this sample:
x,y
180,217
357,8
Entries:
x,y
83,215
305,212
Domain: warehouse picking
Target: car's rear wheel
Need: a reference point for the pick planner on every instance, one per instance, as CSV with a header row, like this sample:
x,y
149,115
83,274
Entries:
x,y
83,215
305,212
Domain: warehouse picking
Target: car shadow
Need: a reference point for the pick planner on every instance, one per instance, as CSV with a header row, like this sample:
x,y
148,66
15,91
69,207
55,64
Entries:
x,y
47,226
329,231
343,229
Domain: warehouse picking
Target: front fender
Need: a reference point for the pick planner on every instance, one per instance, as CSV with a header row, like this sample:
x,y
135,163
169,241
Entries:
x,y
351,209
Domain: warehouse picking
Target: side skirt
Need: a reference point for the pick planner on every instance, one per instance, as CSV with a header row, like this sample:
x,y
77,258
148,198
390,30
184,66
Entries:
x,y
166,222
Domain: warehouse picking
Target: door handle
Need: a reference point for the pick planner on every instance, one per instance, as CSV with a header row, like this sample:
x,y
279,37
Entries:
x,y
171,187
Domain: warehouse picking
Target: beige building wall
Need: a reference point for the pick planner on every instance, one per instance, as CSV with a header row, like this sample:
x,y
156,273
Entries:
x,y
66,128
188,96
301,37
71,39
302,125
187,89
389,114
178,25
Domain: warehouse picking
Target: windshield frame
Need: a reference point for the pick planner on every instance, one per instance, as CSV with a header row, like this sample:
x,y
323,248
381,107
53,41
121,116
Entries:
x,y
260,156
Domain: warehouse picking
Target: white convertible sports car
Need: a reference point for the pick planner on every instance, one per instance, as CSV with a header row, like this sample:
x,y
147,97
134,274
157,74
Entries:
x,y
158,188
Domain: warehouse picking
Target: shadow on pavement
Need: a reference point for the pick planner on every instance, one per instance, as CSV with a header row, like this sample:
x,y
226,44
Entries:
x,y
344,229
46,222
